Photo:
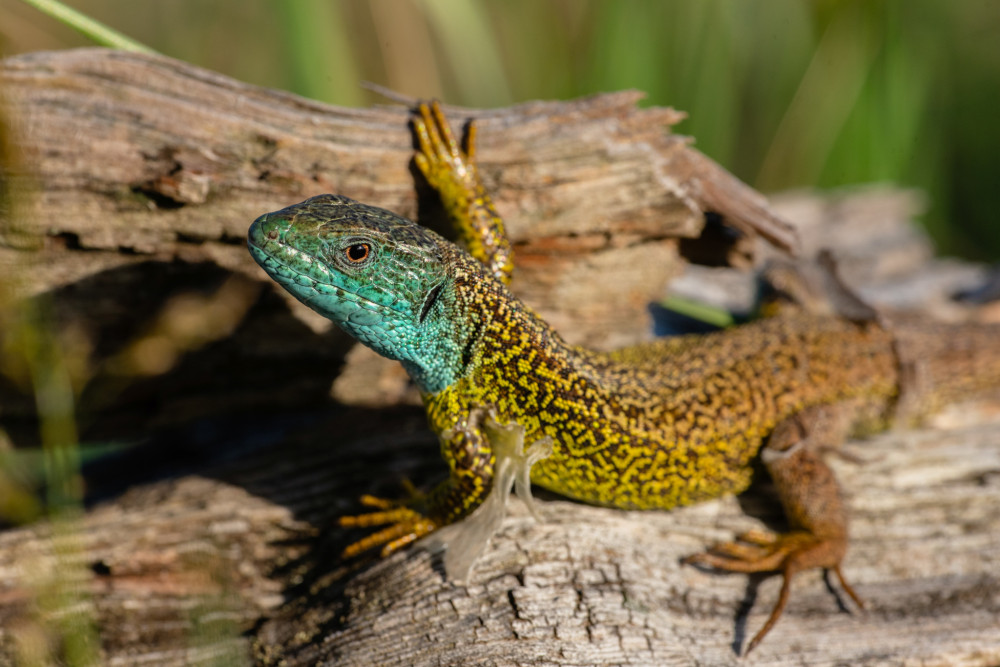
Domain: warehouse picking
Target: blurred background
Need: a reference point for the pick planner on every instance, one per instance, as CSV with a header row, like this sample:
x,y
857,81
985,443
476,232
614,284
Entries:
x,y
784,93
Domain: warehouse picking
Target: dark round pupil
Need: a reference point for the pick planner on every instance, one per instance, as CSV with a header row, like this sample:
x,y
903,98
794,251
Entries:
x,y
357,252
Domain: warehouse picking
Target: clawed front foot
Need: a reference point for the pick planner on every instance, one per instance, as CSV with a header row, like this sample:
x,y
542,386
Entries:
x,y
789,554
405,526
441,159
452,172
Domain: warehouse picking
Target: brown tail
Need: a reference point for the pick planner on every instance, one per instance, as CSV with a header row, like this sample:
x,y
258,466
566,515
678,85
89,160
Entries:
x,y
943,363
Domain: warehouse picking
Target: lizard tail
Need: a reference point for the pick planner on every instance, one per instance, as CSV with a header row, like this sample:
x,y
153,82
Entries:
x,y
942,363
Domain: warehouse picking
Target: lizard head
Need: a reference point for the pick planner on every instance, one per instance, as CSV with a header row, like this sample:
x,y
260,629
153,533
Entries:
x,y
378,276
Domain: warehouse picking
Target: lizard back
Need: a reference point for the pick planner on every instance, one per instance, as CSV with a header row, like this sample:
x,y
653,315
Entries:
x,y
662,424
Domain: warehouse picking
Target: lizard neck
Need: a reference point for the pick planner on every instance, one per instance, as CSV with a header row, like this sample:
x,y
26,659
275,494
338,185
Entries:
x,y
454,322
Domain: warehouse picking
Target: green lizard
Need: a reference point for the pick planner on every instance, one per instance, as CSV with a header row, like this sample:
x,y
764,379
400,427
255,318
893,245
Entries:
x,y
653,426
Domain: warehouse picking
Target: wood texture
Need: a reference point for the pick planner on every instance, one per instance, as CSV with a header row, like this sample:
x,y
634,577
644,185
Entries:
x,y
138,157
595,587
174,571
140,176
146,174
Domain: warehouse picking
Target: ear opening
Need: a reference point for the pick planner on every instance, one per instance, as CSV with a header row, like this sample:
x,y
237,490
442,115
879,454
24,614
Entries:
x,y
429,302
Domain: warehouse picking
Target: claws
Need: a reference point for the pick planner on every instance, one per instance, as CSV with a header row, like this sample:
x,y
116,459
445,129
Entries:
x,y
440,159
451,170
789,554
404,526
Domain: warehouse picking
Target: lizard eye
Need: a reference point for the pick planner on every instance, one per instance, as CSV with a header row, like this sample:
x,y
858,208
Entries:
x,y
358,252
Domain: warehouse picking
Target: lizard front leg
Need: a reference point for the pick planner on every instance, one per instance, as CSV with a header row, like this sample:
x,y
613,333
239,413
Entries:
x,y
812,502
471,463
453,173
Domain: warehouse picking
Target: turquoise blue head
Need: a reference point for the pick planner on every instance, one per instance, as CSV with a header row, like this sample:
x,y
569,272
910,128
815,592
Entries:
x,y
380,277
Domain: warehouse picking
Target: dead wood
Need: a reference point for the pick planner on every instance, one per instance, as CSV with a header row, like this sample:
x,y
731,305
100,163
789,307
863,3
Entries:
x,y
141,175
240,560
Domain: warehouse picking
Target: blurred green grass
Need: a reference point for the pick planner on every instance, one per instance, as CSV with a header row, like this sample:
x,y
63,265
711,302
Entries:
x,y
785,93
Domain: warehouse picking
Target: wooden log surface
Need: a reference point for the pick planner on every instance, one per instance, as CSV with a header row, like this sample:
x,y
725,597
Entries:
x,y
173,572
147,172
138,157
141,175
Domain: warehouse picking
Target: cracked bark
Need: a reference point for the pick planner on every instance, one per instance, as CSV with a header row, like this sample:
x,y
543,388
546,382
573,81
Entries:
x,y
251,543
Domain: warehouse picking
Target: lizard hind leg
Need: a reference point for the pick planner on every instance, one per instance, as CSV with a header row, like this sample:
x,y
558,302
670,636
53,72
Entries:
x,y
812,502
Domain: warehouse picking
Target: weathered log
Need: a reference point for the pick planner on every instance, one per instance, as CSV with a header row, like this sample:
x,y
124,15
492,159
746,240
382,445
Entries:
x,y
173,572
144,172
149,171
598,587
137,157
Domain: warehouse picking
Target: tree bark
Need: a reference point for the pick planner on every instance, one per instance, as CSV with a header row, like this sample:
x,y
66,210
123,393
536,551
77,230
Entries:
x,y
144,174
173,572
137,157
145,171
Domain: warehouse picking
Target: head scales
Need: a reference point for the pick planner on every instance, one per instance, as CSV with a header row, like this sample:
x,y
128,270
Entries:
x,y
383,279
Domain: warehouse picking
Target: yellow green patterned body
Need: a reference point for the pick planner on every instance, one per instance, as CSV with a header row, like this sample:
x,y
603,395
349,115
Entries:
x,y
668,423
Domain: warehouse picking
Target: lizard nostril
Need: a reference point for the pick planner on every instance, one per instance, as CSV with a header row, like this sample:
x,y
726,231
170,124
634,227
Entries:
x,y
272,234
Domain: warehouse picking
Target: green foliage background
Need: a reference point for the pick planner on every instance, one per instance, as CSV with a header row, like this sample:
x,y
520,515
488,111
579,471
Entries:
x,y
785,93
